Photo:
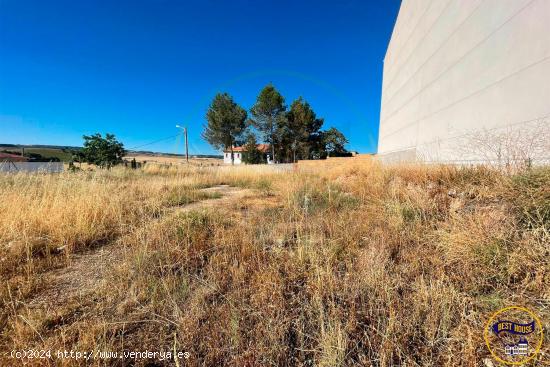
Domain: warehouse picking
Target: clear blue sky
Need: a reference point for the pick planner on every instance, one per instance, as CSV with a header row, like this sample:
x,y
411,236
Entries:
x,y
136,68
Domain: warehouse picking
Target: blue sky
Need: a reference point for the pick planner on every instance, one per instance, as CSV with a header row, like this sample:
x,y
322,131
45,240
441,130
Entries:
x,y
137,68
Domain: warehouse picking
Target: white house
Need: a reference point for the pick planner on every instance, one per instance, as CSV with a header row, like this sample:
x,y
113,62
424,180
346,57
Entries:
x,y
238,154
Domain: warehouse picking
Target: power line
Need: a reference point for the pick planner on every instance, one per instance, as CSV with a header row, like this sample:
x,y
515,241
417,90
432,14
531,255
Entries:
x,y
153,142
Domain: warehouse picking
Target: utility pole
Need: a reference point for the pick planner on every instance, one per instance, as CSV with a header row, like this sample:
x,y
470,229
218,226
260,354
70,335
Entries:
x,y
186,143
186,146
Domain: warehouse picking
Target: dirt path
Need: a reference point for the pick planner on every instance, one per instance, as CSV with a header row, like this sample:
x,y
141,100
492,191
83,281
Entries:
x,y
229,194
87,270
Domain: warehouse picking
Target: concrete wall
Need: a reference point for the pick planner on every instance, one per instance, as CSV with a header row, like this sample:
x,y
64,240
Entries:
x,y
467,80
40,167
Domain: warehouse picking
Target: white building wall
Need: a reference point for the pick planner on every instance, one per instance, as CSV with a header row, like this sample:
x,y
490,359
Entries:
x,y
459,75
237,158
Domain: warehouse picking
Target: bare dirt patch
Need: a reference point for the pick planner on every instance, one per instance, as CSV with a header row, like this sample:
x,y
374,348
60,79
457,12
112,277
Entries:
x,y
86,271
229,195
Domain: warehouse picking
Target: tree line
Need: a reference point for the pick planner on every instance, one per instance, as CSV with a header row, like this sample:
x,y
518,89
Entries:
x,y
292,133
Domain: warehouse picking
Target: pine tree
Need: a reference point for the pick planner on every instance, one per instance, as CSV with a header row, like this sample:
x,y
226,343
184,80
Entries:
x,y
267,113
226,122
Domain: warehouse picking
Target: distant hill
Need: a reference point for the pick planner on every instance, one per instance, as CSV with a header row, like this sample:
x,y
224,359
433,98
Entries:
x,y
63,152
2,146
46,152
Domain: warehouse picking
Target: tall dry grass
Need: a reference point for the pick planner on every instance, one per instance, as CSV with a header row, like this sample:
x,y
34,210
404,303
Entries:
x,y
344,264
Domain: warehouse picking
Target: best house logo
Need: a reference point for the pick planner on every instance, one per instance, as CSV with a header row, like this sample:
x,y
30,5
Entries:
x,y
513,335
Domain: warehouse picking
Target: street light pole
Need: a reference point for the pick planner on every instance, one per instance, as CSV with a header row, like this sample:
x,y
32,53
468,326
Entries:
x,y
186,144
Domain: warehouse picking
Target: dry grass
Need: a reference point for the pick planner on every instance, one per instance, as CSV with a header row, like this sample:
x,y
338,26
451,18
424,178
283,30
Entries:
x,y
343,264
177,160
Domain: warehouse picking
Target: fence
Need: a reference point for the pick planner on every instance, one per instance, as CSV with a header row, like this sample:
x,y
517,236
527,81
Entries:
x,y
36,167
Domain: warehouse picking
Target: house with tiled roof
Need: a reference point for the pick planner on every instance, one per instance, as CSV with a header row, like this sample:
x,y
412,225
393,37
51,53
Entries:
x,y
239,151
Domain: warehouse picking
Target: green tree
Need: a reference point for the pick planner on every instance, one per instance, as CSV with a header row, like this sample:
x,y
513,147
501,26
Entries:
x,y
251,154
225,123
267,113
104,152
301,130
334,142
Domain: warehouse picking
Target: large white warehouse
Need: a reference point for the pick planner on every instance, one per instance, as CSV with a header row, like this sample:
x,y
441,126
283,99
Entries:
x,y
467,81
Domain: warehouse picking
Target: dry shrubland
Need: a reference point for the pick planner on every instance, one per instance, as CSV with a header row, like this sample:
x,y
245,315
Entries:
x,y
346,264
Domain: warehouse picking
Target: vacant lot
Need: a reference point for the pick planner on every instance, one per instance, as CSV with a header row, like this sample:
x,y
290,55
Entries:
x,y
349,264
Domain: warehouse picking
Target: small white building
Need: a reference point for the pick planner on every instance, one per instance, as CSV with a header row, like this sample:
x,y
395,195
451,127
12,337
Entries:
x,y
238,154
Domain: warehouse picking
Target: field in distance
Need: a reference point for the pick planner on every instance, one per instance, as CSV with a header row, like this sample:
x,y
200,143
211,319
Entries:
x,y
172,159
64,154
61,153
